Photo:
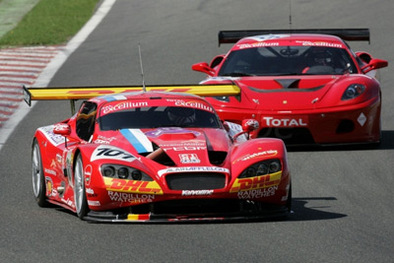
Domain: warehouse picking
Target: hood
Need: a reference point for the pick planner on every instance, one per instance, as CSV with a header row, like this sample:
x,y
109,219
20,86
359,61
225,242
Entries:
x,y
281,92
175,146
286,93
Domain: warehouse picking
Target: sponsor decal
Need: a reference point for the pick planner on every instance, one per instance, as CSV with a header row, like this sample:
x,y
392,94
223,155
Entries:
x,y
50,191
54,139
124,105
319,44
257,44
112,153
50,171
103,140
88,174
59,158
189,158
94,203
186,148
197,192
362,119
130,197
283,122
196,104
193,169
258,182
132,186
258,193
265,154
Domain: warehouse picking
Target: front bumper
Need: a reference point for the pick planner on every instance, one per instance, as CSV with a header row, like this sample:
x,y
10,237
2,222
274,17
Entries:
x,y
337,125
204,211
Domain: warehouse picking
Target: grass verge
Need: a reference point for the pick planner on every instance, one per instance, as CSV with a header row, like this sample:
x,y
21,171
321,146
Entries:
x,y
50,22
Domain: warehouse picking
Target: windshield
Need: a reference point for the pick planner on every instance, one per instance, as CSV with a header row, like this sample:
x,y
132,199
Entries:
x,y
287,60
154,117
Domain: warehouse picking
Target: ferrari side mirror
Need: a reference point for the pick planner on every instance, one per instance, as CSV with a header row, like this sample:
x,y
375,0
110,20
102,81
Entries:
x,y
204,68
375,64
249,125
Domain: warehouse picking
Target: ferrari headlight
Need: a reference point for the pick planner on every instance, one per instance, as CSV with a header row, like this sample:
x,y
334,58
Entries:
x,y
262,168
223,98
124,172
353,91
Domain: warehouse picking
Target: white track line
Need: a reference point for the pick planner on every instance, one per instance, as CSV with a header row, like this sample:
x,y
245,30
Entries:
x,y
48,73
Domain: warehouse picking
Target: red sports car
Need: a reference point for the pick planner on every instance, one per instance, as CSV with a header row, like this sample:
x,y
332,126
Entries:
x,y
156,156
303,86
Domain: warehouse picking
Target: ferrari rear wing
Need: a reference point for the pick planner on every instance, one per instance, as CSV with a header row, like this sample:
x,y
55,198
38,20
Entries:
x,y
348,34
77,93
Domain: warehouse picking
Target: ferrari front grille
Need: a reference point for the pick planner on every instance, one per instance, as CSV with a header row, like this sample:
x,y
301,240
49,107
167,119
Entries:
x,y
195,181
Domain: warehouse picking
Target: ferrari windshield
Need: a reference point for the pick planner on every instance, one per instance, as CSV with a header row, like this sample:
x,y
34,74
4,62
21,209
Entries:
x,y
287,60
154,117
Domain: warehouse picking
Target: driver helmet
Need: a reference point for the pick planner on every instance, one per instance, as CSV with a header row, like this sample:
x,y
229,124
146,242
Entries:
x,y
181,115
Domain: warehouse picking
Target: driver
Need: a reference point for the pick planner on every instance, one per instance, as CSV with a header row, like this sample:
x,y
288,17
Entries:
x,y
181,115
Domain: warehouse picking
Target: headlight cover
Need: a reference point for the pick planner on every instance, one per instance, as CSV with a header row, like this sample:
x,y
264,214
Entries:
x,y
353,91
223,98
124,172
262,168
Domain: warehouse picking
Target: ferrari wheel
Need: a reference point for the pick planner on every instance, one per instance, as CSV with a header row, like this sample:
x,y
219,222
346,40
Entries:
x,y
81,204
38,178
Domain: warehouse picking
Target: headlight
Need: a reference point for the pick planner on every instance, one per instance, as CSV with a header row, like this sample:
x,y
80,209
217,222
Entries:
x,y
353,91
262,168
223,98
124,172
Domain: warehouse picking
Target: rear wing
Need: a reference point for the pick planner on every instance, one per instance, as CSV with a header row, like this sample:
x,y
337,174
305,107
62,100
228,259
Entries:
x,y
348,34
77,93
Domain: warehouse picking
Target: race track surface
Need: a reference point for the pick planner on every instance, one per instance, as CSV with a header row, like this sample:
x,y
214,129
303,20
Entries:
x,y
343,197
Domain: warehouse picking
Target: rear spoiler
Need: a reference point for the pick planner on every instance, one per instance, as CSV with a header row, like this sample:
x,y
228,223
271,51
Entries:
x,y
77,93
348,34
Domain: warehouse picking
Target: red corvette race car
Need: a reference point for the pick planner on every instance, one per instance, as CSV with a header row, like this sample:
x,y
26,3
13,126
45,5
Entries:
x,y
303,86
156,156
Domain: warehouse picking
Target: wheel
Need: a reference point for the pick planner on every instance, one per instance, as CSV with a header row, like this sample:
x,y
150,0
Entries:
x,y
81,204
38,178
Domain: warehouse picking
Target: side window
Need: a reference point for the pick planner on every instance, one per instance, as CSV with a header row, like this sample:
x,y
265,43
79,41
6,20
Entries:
x,y
86,119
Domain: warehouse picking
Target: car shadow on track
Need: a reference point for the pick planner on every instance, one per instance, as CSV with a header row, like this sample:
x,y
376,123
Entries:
x,y
387,143
301,211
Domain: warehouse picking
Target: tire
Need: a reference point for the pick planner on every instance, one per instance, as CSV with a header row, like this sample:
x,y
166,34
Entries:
x,y
38,177
81,204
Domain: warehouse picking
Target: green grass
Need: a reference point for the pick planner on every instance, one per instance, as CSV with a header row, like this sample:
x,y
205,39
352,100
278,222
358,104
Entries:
x,y
50,22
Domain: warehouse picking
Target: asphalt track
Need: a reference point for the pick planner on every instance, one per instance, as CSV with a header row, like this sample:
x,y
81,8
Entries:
x,y
343,198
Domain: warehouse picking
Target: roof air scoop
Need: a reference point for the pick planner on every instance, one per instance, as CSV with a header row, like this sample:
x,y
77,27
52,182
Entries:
x,y
288,83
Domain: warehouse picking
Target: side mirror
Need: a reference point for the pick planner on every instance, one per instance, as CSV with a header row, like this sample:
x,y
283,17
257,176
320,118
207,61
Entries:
x,y
216,61
62,129
248,125
204,68
375,64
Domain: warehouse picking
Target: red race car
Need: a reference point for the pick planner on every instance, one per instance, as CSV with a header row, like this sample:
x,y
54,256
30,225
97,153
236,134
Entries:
x,y
156,156
304,86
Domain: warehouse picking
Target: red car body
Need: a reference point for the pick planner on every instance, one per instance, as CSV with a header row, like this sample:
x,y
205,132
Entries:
x,y
303,86
126,158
